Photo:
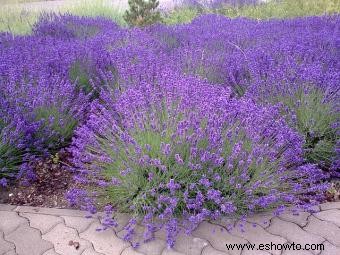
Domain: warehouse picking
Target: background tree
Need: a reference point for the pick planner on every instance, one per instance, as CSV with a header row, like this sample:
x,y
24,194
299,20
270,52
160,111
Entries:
x,y
142,13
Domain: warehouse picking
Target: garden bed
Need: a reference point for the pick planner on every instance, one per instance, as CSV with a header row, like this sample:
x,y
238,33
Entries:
x,y
173,124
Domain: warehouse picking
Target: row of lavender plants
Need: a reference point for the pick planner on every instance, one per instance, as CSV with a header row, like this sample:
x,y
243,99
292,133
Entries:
x,y
175,124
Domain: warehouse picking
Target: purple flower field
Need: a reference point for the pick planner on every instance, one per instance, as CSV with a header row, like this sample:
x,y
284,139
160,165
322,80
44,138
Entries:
x,y
176,124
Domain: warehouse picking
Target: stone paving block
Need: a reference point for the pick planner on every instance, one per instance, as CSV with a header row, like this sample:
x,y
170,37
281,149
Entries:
x,y
9,221
154,247
41,221
293,233
78,223
187,244
169,251
291,252
122,219
105,242
330,249
28,240
4,207
61,236
224,221
257,235
329,215
211,251
327,206
51,211
262,219
4,245
326,229
90,251
131,251
217,238
190,245
300,218
12,252
50,252
256,252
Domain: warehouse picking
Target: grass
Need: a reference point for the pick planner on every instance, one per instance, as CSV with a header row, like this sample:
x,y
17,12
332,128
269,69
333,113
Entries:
x,y
181,16
284,9
16,20
272,9
95,8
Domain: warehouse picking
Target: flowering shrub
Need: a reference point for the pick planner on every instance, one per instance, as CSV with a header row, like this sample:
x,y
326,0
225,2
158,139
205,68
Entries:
x,y
39,118
264,63
186,151
11,155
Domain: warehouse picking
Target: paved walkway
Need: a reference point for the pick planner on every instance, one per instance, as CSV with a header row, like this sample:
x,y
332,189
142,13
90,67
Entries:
x,y
43,231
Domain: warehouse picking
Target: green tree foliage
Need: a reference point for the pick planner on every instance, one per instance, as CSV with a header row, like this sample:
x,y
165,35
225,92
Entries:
x,y
142,13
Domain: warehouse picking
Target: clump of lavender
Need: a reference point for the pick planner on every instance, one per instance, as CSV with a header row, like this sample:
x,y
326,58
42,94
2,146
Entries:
x,y
68,27
185,152
38,116
260,61
11,155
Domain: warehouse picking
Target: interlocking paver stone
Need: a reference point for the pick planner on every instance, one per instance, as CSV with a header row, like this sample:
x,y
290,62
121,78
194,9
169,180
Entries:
x,y
50,252
90,251
9,221
217,238
78,223
329,215
300,252
329,206
42,222
4,245
28,240
106,241
154,247
4,207
12,252
256,252
131,251
262,219
190,245
330,249
122,219
257,235
169,251
50,211
293,233
211,251
301,219
326,229
61,236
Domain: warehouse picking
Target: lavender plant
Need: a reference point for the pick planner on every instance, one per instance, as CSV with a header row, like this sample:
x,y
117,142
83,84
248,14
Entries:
x,y
11,156
40,116
185,151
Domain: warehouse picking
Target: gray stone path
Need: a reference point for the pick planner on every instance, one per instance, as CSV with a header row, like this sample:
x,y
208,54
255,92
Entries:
x,y
45,231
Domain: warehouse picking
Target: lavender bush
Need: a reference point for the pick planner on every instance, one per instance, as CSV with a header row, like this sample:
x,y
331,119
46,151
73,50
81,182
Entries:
x,y
186,152
264,63
39,117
